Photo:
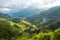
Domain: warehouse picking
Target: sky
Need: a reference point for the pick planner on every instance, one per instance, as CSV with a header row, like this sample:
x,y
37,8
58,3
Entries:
x,y
9,5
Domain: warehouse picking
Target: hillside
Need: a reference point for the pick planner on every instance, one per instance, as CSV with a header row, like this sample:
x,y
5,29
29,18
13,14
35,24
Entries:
x,y
9,30
42,26
2,15
29,19
50,15
25,30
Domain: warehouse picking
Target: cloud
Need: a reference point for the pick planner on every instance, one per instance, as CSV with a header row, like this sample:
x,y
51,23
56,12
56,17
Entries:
x,y
50,5
8,5
42,4
4,10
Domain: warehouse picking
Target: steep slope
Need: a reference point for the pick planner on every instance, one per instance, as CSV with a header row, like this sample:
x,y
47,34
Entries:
x,y
10,30
52,14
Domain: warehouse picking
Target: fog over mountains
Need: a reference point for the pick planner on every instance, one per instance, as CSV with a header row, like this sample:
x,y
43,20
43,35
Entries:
x,y
26,9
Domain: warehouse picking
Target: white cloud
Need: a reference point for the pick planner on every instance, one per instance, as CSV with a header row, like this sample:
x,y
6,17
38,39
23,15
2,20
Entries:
x,y
4,10
53,4
28,4
20,4
25,2
42,3
38,2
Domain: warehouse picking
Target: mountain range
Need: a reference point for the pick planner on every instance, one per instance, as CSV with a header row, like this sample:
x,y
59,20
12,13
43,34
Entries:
x,y
24,13
34,15
47,15
44,25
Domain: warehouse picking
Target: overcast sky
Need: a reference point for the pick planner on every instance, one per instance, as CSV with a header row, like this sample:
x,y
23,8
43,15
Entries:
x,y
8,5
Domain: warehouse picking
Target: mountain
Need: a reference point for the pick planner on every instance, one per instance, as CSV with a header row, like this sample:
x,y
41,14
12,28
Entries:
x,y
10,30
24,13
25,30
5,16
37,27
52,14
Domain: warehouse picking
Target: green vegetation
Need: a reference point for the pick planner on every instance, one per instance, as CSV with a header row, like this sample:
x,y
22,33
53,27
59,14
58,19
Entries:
x,y
42,36
25,30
